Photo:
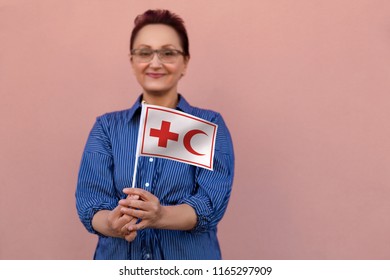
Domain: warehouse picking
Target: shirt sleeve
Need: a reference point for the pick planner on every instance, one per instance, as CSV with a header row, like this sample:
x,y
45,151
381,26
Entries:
x,y
213,188
95,187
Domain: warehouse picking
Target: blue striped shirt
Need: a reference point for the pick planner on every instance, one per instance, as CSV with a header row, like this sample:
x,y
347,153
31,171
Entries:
x,y
107,167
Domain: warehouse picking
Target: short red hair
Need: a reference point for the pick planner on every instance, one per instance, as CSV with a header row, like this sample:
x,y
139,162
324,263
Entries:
x,y
162,17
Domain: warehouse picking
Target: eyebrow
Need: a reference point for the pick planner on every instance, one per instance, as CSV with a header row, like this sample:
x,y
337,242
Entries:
x,y
164,46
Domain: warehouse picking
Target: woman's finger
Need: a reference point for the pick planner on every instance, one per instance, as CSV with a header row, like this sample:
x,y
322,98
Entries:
x,y
139,204
133,196
141,225
142,194
114,217
124,230
131,236
137,213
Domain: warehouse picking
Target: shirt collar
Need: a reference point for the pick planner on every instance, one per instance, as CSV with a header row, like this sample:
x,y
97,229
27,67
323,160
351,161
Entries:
x,y
135,108
182,105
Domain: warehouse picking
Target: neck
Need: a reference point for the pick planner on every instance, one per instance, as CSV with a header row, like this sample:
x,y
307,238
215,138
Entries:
x,y
169,101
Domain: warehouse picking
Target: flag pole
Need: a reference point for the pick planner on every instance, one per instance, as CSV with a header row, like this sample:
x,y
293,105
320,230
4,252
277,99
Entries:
x,y
135,171
139,139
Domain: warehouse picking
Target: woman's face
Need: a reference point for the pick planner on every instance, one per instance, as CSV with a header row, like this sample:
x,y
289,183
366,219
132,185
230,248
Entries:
x,y
155,77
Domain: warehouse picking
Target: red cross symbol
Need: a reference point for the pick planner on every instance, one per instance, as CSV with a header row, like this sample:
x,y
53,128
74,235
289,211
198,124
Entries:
x,y
164,134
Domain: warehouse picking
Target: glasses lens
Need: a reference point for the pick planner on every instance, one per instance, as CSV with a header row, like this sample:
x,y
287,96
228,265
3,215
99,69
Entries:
x,y
143,55
167,56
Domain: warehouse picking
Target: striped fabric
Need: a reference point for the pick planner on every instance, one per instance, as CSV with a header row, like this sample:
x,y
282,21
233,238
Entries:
x,y
107,168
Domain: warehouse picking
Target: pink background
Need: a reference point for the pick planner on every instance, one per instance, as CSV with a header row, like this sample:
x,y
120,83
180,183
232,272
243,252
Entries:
x,y
303,85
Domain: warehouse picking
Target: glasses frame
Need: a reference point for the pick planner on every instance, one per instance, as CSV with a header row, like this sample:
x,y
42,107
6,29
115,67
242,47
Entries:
x,y
158,52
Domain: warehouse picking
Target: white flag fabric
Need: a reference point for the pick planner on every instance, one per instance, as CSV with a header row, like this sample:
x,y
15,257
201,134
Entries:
x,y
175,135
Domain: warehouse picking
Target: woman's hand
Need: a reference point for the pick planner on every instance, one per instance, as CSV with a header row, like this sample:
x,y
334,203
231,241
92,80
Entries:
x,y
114,223
118,224
147,208
153,215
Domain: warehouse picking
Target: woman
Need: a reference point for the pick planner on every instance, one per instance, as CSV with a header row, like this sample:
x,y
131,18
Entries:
x,y
175,208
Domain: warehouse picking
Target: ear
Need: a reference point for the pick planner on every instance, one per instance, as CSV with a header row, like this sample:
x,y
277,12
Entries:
x,y
186,61
131,62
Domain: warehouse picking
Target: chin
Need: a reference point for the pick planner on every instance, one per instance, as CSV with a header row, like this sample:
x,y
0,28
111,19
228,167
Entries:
x,y
156,92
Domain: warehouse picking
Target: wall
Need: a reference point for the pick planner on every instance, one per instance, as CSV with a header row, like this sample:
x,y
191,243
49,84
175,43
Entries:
x,y
303,85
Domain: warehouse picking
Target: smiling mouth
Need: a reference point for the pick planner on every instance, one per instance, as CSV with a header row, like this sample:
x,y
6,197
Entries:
x,y
155,75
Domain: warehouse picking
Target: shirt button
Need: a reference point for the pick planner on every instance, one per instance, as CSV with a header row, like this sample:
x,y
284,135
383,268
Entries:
x,y
147,256
150,159
147,184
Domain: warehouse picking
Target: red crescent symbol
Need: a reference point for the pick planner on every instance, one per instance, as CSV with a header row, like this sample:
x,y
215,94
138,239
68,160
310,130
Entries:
x,y
187,141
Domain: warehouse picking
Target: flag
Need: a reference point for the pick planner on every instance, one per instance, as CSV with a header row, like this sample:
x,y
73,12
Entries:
x,y
175,135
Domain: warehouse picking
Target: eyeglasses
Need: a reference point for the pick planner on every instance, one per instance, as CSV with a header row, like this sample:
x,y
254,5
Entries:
x,y
164,55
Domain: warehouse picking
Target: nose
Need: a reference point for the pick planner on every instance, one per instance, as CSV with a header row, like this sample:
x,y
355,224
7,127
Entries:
x,y
155,62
